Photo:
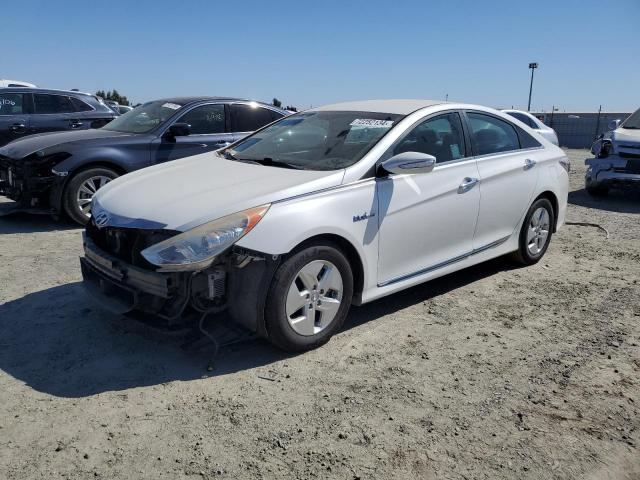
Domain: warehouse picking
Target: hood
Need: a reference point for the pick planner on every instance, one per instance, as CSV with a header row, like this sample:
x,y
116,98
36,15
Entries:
x,y
25,146
183,194
626,135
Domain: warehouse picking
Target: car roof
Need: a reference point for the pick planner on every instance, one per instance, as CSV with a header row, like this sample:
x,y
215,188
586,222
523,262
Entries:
x,y
193,99
506,110
43,90
399,106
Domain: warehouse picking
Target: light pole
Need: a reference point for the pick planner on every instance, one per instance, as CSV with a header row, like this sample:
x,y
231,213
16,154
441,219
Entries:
x,y
532,66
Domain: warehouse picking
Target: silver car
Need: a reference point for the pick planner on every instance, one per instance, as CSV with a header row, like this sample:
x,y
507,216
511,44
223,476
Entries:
x,y
617,157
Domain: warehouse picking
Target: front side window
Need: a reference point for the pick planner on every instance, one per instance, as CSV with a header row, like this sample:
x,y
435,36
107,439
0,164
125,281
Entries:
x,y
204,120
144,118
492,135
320,140
46,104
11,103
439,136
248,118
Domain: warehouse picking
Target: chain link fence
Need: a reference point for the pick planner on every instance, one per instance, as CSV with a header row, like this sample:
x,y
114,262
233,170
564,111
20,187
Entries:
x,y
579,129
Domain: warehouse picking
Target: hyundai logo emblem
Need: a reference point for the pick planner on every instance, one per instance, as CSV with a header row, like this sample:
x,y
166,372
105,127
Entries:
x,y
101,219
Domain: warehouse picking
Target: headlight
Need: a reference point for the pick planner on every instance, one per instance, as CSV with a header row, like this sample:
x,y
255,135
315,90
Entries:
x,y
198,247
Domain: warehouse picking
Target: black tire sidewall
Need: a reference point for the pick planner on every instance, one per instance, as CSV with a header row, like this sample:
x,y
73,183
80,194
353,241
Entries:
x,y
524,253
69,200
278,329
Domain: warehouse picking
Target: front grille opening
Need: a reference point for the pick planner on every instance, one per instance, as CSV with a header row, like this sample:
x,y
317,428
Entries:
x,y
127,243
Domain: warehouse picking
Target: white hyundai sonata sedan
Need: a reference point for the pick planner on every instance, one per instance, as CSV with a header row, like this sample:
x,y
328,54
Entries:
x,y
284,230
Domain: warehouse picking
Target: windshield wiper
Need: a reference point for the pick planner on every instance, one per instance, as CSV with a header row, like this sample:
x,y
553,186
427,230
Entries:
x,y
629,127
270,162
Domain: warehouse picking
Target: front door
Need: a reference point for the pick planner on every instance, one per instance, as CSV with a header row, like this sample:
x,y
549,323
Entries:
x,y
14,121
208,132
427,220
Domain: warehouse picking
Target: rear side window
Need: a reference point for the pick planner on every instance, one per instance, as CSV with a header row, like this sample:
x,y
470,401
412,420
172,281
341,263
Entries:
x,y
491,134
52,104
524,119
11,103
79,105
204,120
247,118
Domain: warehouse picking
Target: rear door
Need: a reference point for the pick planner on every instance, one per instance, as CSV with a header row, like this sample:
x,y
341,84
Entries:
x,y
208,132
506,160
249,117
53,113
14,118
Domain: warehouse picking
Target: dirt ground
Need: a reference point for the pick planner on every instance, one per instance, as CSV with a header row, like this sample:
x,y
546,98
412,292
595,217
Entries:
x,y
494,372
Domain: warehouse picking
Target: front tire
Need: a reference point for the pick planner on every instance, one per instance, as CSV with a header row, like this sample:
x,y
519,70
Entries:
x,y
309,298
80,191
536,232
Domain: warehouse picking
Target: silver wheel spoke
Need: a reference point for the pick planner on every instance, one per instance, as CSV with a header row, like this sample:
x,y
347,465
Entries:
x,y
295,299
314,297
305,325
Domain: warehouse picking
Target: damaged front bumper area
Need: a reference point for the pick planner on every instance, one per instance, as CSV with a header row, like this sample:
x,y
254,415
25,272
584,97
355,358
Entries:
x,y
613,171
29,182
234,287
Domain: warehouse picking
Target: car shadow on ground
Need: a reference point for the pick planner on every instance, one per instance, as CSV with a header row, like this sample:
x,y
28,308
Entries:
x,y
58,343
28,223
616,201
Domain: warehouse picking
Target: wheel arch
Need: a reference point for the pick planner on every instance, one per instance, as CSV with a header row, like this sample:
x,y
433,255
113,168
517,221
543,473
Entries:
x,y
350,251
549,195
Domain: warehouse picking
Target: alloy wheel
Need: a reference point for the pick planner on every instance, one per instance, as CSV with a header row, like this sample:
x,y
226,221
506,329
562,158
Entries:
x,y
87,190
538,231
314,297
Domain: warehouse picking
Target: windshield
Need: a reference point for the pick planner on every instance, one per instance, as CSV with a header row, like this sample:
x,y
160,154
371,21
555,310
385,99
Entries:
x,y
315,140
633,122
144,118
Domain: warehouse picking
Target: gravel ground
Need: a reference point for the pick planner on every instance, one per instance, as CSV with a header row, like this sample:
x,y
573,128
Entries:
x,y
494,372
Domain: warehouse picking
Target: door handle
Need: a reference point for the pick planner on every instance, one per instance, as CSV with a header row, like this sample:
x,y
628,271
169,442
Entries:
x,y
222,143
75,123
467,184
17,127
529,164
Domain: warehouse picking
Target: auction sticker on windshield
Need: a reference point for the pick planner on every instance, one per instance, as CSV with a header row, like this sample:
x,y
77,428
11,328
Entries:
x,y
372,123
172,106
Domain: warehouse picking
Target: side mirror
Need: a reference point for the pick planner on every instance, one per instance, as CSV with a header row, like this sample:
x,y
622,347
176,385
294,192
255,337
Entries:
x,y
613,124
409,162
178,130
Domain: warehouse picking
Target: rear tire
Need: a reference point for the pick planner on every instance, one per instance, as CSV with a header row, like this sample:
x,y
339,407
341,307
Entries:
x,y
80,190
536,232
309,298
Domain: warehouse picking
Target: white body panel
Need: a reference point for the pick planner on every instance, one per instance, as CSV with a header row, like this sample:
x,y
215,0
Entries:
x,y
406,229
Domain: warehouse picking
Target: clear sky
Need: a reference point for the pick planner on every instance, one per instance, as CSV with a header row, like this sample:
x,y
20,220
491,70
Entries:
x,y
316,52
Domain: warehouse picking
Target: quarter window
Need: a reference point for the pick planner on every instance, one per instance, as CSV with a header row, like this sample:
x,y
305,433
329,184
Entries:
x,y
492,135
11,104
247,118
79,105
439,136
205,120
53,104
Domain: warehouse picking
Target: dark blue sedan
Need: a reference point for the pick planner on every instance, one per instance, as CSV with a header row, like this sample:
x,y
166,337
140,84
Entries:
x,y
60,172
